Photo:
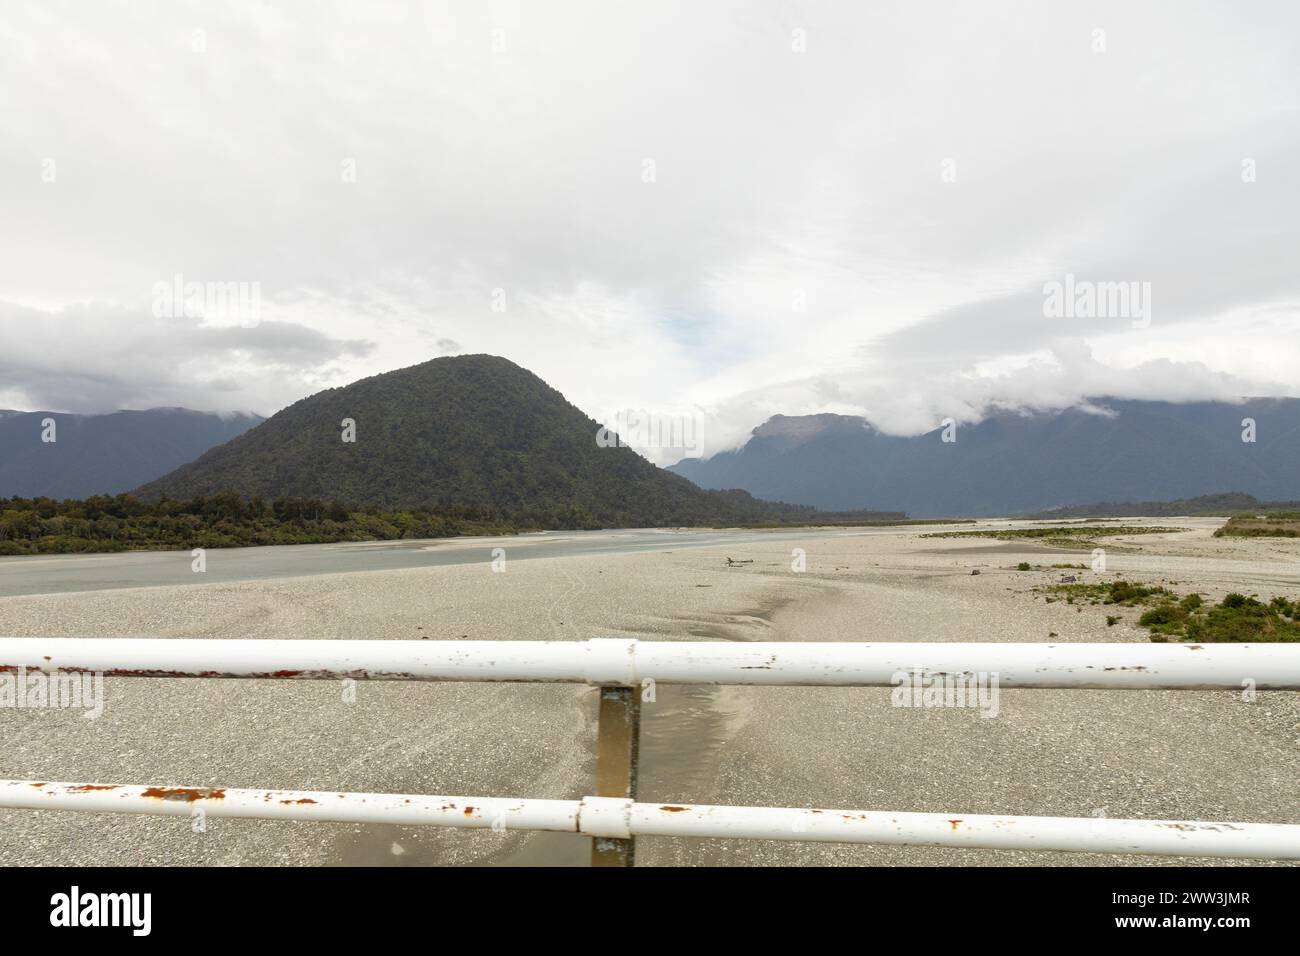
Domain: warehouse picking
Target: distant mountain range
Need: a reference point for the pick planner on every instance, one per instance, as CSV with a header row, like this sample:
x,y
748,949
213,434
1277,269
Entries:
x,y
104,454
480,432
473,431
1014,463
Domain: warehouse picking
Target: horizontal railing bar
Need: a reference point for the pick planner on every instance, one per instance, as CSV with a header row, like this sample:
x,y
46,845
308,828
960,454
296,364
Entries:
x,y
618,818
613,661
332,807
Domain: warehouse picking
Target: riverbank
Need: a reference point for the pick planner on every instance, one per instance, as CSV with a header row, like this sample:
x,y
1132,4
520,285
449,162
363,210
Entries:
x,y
1158,754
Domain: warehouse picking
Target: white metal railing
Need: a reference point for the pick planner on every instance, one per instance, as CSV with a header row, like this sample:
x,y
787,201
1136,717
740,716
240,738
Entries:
x,y
629,662
613,817
616,818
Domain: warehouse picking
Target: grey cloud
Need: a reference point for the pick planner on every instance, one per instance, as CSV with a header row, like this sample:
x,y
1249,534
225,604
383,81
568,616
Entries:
x,y
281,343
774,170
95,358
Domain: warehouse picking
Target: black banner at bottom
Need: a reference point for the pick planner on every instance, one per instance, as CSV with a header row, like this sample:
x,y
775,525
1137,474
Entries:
x,y
330,906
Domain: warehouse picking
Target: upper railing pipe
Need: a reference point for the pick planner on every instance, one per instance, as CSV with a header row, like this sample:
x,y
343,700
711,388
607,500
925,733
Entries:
x,y
626,662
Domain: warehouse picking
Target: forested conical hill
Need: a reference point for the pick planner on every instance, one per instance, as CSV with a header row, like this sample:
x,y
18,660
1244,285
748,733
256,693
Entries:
x,y
472,431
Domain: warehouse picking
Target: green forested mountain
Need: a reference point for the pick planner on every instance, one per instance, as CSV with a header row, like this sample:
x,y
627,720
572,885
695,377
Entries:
x,y
471,431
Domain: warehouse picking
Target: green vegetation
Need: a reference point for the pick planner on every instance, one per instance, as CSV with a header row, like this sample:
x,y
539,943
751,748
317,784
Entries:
x,y
1092,531
1023,566
1281,524
1223,504
1236,618
227,520
1080,537
124,523
1116,592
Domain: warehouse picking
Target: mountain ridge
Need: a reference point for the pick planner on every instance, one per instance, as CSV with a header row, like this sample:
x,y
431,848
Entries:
x,y
1021,463
106,453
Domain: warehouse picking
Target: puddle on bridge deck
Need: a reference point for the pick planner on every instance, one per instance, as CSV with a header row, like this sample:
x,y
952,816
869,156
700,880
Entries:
x,y
684,734
374,846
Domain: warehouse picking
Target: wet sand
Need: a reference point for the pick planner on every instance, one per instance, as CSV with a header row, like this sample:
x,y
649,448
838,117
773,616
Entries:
x,y
1169,754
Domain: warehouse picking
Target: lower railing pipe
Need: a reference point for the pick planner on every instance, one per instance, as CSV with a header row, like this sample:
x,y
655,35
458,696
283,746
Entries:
x,y
621,819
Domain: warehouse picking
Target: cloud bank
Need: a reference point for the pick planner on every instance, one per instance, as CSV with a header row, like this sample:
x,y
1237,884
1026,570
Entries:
x,y
727,210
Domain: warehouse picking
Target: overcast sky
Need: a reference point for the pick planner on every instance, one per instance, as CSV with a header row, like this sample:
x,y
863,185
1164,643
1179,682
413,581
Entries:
x,y
732,209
